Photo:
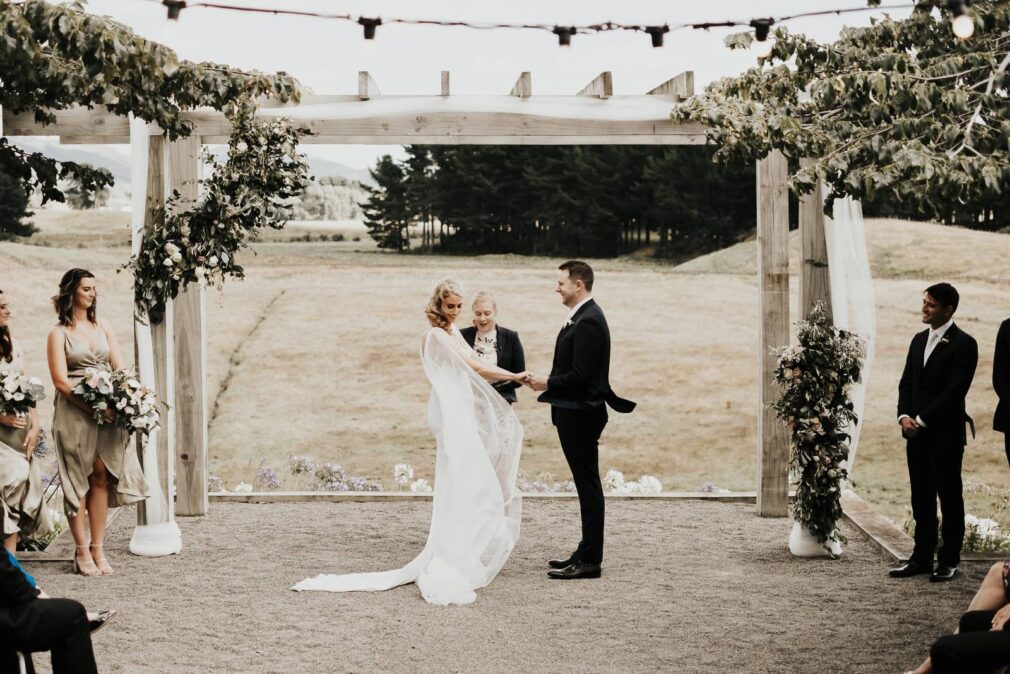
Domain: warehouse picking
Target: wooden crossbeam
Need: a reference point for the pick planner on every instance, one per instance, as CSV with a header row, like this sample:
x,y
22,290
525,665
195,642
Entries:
x,y
445,82
680,87
601,87
523,88
367,88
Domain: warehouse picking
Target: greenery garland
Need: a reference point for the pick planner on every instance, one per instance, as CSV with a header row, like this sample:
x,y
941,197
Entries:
x,y
815,406
253,189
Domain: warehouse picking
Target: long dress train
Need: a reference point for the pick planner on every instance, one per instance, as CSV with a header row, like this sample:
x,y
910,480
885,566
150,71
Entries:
x,y
476,507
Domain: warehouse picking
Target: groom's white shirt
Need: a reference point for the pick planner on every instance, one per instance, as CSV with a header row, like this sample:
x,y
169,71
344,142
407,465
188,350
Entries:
x,y
576,308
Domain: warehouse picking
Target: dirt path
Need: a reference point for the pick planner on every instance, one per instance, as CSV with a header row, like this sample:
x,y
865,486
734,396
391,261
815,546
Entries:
x,y
687,587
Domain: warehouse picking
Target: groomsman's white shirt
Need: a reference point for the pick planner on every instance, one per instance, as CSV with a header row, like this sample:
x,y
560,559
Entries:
x,y
931,341
576,308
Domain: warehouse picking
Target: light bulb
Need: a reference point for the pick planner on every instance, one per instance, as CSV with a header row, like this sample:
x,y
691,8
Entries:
x,y
964,26
762,49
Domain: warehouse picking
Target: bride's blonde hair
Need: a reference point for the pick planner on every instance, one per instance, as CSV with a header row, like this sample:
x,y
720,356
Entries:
x,y
445,288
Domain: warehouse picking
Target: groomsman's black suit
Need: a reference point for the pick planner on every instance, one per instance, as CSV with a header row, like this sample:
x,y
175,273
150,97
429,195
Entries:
x,y
510,357
578,391
935,393
1001,382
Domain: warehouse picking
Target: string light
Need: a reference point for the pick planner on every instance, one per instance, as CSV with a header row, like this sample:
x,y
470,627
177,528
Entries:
x,y
657,33
174,7
369,26
564,35
963,25
762,46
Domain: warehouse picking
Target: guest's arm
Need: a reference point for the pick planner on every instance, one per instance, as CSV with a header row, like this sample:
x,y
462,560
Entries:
x,y
958,382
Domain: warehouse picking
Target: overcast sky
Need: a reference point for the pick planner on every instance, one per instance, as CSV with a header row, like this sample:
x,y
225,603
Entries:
x,y
326,55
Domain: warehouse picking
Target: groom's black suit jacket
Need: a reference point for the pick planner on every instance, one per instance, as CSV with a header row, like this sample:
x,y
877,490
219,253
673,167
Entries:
x,y
1001,378
935,392
580,373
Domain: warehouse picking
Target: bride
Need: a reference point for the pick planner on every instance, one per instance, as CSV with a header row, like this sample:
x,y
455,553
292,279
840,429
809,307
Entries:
x,y
476,506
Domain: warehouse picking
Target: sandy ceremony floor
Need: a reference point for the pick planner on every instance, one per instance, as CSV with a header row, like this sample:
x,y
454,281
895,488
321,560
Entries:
x,y
688,586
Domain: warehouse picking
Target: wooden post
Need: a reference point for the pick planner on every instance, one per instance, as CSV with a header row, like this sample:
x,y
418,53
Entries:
x,y
773,270
601,87
190,356
161,338
445,82
680,87
523,88
367,88
815,282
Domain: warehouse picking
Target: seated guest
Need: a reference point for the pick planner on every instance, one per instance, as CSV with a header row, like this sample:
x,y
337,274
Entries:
x,y
494,343
982,641
31,622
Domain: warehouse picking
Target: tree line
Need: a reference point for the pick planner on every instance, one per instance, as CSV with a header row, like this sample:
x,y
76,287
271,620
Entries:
x,y
583,200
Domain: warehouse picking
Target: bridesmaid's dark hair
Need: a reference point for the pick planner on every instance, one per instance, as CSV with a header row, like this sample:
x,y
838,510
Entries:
x,y
6,343
64,302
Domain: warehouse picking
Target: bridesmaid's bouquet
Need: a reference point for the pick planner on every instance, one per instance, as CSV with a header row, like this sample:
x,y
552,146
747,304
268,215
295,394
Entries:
x,y
19,392
134,406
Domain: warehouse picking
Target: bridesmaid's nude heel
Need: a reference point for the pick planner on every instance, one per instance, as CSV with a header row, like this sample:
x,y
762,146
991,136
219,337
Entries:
x,y
103,564
87,568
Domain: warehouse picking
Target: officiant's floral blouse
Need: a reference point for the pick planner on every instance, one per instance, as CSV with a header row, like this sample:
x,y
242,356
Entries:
x,y
486,347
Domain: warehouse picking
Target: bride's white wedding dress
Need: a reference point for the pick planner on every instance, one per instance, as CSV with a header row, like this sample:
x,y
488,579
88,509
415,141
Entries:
x,y
476,507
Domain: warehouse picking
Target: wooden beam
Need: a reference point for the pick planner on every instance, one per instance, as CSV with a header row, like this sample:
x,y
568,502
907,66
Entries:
x,y
523,88
680,87
815,281
366,86
773,270
190,355
601,87
161,337
445,82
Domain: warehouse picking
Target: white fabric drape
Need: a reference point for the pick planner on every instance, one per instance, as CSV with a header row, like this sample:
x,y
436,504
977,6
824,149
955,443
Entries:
x,y
476,506
160,535
852,298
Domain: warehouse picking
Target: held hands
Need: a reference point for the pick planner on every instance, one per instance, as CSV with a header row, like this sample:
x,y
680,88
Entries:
x,y
13,421
534,382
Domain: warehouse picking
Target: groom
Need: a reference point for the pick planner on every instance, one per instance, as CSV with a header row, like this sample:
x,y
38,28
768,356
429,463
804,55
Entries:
x,y
578,391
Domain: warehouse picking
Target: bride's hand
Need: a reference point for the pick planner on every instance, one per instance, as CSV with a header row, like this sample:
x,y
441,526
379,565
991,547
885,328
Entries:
x,y
521,377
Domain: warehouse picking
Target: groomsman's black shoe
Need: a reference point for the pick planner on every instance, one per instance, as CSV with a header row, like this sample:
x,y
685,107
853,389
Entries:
x,y
576,570
943,573
560,563
908,569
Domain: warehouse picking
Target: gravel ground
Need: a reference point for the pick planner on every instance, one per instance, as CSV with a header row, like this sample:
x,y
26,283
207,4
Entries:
x,y
688,586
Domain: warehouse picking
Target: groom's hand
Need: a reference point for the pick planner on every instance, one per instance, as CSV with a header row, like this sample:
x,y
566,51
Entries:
x,y
537,383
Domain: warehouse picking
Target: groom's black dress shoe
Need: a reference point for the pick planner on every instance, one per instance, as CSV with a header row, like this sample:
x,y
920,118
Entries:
x,y
576,570
943,573
910,568
560,563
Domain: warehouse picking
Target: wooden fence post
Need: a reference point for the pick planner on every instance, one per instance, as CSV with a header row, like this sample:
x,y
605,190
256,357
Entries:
x,y
773,270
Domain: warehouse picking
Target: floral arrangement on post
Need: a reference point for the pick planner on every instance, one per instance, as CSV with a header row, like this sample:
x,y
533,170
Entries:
x,y
253,189
816,409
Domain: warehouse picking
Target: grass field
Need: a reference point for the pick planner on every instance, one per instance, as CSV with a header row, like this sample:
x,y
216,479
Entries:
x,y
316,352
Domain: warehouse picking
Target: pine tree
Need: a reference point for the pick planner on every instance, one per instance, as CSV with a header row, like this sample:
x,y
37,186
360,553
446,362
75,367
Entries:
x,y
386,213
13,209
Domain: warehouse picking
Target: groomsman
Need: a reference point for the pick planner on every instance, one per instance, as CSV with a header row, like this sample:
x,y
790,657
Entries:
x,y
1001,382
931,411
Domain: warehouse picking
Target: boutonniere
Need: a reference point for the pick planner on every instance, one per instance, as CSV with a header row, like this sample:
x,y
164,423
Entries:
x,y
569,323
943,340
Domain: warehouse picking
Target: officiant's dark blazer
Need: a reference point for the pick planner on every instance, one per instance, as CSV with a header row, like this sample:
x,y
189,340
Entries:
x,y
1001,378
580,373
510,357
935,392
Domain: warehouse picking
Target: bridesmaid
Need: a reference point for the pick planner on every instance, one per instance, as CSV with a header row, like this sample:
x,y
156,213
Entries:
x,y
495,344
22,507
96,469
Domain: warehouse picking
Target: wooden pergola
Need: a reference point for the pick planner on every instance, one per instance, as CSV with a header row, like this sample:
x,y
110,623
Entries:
x,y
593,116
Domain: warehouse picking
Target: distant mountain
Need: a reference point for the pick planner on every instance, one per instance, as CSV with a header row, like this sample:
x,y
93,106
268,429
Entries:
x,y
116,158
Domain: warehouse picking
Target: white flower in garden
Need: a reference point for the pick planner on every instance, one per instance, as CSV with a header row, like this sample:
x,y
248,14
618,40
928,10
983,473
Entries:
x,y
243,488
177,257
171,249
647,484
241,146
403,473
420,485
167,262
613,480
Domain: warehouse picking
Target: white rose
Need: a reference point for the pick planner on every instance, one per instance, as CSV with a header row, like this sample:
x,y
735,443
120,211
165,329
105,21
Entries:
x,y
171,249
177,257
167,262
212,262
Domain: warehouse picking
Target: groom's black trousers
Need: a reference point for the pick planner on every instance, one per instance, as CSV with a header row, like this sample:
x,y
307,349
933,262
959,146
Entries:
x,y
934,471
579,432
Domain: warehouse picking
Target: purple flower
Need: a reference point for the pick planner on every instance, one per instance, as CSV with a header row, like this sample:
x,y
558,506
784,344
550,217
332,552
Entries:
x,y
267,478
41,446
301,465
330,472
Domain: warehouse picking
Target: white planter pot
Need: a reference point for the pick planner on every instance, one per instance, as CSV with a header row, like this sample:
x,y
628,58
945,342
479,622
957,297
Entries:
x,y
802,544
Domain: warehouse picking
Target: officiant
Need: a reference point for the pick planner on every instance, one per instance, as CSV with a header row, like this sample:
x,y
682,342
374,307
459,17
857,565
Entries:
x,y
493,343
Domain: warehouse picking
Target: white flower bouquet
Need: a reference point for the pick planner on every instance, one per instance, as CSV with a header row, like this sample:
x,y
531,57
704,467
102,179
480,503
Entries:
x,y
18,392
133,405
